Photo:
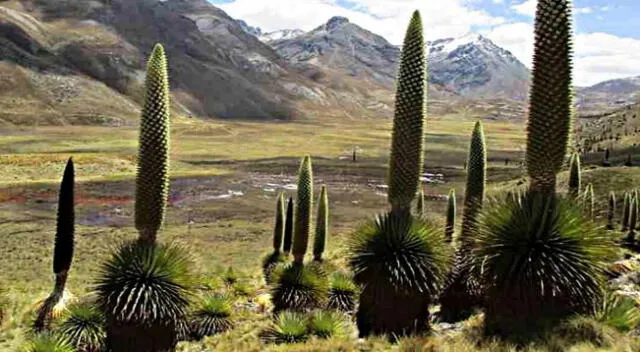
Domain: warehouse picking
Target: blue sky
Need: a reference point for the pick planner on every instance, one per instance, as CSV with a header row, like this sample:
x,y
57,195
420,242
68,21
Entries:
x,y
607,40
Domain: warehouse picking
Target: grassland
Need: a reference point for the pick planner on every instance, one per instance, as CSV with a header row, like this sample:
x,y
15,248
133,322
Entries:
x,y
225,176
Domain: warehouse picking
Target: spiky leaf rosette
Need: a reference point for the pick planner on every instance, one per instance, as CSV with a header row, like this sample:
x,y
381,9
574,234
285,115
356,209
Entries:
x,y
588,201
84,328
212,316
322,225
298,287
575,178
63,248
269,264
618,311
152,181
46,342
288,327
550,101
343,293
626,210
288,228
326,324
420,210
450,226
539,259
401,263
407,143
476,182
143,290
278,230
304,204
611,214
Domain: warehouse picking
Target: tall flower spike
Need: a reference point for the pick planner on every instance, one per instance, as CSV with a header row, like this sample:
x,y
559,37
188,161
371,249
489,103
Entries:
x,y
451,216
152,181
407,145
574,176
476,180
551,97
304,204
278,230
322,225
288,228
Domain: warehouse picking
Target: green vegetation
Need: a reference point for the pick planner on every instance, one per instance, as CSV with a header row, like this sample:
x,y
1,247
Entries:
x,y
84,328
343,293
449,230
611,212
575,178
55,304
304,204
322,225
152,182
589,201
288,228
274,258
212,316
626,211
45,342
289,327
326,324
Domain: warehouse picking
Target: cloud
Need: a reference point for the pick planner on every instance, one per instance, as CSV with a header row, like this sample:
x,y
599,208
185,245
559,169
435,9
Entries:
x,y
385,17
597,56
527,8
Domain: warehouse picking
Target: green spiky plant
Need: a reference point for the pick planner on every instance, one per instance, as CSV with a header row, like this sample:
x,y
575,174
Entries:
x,y
212,316
288,228
589,201
304,204
611,214
450,224
230,277
617,311
398,260
55,304
420,211
274,258
152,180
530,285
575,177
461,293
626,207
143,290
84,328
322,225
326,324
288,327
47,342
551,95
343,293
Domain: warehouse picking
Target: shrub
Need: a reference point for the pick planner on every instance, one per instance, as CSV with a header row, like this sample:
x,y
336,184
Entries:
x,y
212,316
298,287
343,293
539,260
288,327
46,342
84,328
326,324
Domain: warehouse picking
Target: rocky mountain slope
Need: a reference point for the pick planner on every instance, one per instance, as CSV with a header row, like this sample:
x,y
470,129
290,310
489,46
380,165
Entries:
x,y
471,66
612,93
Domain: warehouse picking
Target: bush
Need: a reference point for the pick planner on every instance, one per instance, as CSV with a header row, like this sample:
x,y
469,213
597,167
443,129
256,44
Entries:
x,y
326,324
299,288
288,327
84,328
539,259
343,293
212,316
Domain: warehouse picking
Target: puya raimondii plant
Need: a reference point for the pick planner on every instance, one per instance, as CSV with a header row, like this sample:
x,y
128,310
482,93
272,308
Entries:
x,y
461,293
450,225
297,286
538,258
56,303
397,259
575,178
322,225
144,269
274,258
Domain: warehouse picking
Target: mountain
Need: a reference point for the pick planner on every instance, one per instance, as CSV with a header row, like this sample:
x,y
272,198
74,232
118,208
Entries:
x,y
255,31
616,92
280,35
471,66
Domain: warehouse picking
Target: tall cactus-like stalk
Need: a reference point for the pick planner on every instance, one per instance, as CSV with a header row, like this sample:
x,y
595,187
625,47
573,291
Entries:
x,y
633,220
476,181
407,145
304,204
611,214
278,229
62,252
322,225
288,228
626,210
575,178
451,216
152,181
461,292
551,97
589,201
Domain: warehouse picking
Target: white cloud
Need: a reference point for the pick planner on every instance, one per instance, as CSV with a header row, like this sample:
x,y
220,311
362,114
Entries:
x,y
598,56
385,17
583,10
527,8
498,1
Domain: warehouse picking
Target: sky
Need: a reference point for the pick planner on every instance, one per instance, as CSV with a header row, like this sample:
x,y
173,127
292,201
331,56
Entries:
x,y
606,43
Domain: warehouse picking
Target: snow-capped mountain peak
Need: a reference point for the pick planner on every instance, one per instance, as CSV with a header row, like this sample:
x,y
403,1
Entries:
x,y
284,34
